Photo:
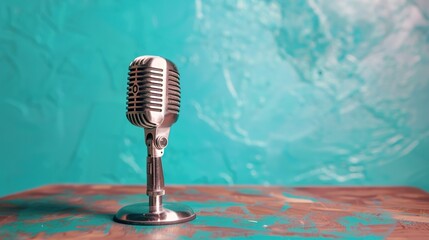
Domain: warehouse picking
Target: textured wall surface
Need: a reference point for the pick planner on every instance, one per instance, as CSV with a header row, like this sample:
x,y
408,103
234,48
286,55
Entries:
x,y
273,92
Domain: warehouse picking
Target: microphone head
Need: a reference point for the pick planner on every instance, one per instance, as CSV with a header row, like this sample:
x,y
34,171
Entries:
x,y
153,92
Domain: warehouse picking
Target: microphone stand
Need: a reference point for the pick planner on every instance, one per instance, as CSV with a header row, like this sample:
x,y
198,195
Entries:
x,y
155,179
154,212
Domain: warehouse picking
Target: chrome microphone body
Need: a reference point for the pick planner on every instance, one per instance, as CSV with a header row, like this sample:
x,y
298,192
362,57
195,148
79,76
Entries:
x,y
153,100
153,103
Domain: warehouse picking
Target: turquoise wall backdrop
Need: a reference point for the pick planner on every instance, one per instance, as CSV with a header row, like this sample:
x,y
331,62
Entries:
x,y
274,92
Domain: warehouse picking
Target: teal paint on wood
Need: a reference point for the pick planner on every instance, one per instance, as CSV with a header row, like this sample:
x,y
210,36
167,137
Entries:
x,y
273,92
72,211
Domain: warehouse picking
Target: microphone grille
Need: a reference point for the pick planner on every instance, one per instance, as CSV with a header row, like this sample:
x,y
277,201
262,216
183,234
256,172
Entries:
x,y
173,91
145,93
153,92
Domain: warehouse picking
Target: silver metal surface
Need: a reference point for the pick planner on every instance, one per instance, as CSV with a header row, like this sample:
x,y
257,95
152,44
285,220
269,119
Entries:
x,y
153,100
141,214
153,103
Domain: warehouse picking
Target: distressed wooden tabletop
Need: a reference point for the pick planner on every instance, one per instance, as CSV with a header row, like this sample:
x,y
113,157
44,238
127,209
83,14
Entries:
x,y
86,211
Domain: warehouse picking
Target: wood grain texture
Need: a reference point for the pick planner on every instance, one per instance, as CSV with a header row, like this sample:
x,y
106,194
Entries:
x,y
86,211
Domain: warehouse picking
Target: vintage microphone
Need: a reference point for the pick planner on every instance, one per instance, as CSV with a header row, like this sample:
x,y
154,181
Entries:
x,y
153,103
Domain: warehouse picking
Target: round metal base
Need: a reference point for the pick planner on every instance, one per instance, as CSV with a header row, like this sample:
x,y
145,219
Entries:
x,y
139,214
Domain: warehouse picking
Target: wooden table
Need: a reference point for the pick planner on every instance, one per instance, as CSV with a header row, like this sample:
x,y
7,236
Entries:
x,y
86,211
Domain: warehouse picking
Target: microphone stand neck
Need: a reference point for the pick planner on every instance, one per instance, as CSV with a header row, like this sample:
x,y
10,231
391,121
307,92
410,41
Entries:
x,y
155,180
